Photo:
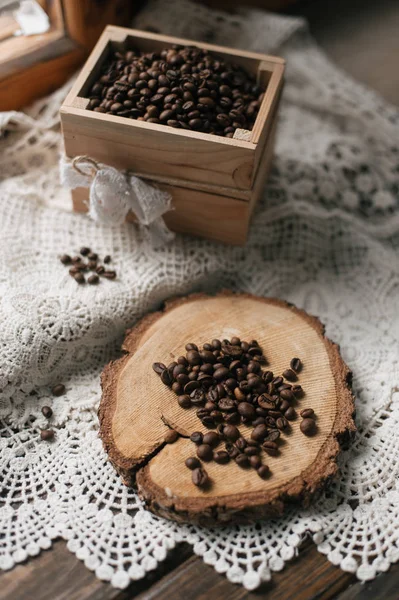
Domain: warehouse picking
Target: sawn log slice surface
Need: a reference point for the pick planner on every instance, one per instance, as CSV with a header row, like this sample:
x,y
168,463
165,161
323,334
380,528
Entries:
x,y
137,410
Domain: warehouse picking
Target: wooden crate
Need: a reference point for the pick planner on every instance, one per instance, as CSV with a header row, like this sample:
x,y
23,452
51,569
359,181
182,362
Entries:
x,y
214,181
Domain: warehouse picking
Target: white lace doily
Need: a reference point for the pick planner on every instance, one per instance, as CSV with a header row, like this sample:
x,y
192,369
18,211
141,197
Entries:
x,y
325,236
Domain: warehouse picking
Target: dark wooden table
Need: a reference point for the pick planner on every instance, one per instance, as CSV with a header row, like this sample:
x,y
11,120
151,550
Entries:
x,y
361,36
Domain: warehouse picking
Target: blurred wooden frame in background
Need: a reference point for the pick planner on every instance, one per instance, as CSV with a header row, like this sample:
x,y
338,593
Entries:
x,y
32,66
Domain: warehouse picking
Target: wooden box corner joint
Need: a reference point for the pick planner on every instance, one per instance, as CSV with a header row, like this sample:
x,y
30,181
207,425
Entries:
x,y
214,182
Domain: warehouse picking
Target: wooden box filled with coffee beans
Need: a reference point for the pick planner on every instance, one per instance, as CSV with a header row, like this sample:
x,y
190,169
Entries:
x,y
194,119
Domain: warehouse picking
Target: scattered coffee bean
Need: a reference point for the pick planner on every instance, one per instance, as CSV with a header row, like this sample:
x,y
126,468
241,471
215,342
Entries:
x,y
158,367
290,414
184,401
47,434
79,277
196,437
204,452
308,426
192,463
211,438
222,457
230,432
200,477
255,461
58,390
93,279
270,447
263,471
170,436
109,274
296,365
47,412
242,460
298,391
107,259
65,259
307,413
290,375
85,251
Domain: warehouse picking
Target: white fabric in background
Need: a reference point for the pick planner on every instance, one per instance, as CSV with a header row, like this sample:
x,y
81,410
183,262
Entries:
x,y
325,236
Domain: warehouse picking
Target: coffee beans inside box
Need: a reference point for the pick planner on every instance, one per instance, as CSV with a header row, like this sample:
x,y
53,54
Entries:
x,y
196,120
182,86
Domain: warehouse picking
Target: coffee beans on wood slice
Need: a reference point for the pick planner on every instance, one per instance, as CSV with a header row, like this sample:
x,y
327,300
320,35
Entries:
x,y
225,383
192,463
308,426
204,452
296,365
200,477
183,87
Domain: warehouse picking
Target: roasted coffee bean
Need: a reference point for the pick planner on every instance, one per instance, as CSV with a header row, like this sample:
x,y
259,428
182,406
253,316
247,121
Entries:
x,y
100,270
193,357
47,412
259,433
241,443
197,396
222,457
231,450
290,375
158,367
230,432
200,478
308,426
232,418
196,437
92,265
47,434
109,274
221,373
58,390
255,461
307,413
93,279
216,344
184,401
107,259
287,395
266,402
273,435
177,388
242,461
290,414
65,259
251,450
212,439
258,421
267,376
281,423
239,394
79,277
166,378
298,391
246,410
296,365
207,356
171,436
192,463
263,471
191,386
270,448
204,452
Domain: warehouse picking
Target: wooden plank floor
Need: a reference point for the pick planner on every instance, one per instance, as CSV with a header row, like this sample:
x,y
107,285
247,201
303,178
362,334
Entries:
x,y
362,37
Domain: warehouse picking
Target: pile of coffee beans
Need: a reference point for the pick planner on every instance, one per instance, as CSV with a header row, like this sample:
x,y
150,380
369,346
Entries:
x,y
182,87
228,385
78,267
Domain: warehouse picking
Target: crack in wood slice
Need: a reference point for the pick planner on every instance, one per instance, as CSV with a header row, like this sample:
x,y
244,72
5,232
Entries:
x,y
137,410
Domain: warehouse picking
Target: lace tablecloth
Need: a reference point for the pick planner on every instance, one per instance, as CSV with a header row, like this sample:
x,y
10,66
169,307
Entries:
x,y
325,236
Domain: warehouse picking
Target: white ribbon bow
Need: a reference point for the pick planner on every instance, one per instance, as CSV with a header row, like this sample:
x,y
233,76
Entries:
x,y
113,194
